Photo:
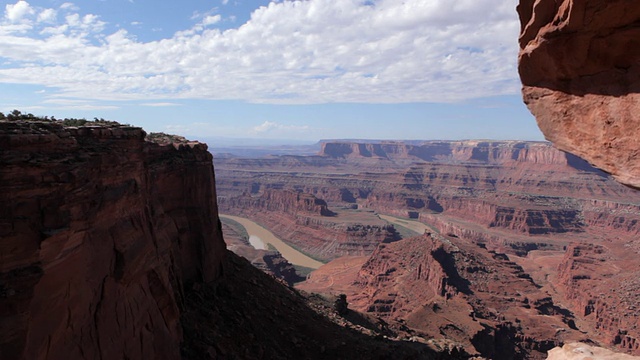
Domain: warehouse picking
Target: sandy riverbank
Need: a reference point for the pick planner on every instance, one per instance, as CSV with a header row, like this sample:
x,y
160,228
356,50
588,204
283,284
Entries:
x,y
267,237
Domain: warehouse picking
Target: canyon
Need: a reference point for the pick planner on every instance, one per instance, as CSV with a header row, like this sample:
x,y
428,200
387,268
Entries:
x,y
111,247
497,258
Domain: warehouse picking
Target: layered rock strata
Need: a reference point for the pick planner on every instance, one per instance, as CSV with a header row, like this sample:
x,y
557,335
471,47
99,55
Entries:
x,y
579,63
527,201
611,308
521,188
450,288
306,222
101,232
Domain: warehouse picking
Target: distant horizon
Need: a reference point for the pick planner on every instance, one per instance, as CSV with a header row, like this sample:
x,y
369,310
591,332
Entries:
x,y
258,143
271,69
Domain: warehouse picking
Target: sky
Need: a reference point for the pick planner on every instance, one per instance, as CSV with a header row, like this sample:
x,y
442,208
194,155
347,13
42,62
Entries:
x,y
297,70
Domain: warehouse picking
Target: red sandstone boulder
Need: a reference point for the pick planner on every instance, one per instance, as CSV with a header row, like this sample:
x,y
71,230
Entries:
x,y
580,67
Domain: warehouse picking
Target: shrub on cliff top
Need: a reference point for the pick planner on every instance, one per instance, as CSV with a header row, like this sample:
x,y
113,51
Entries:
x,y
17,115
162,138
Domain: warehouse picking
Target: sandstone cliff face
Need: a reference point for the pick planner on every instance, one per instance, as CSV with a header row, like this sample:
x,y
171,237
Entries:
x,y
287,201
580,66
101,232
517,207
612,311
469,151
453,289
523,188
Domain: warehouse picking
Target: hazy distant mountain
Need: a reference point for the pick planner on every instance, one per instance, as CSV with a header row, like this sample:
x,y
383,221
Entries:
x,y
256,147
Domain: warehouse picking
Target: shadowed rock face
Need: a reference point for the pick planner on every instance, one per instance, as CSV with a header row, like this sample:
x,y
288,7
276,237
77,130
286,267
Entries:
x,y
580,67
101,232
111,248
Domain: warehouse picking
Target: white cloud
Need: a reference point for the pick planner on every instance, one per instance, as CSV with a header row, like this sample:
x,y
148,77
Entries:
x,y
225,2
16,12
54,30
47,16
313,51
211,19
73,19
69,6
160,104
265,126
269,126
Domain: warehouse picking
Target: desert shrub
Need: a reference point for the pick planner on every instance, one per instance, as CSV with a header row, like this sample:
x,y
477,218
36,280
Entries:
x,y
17,115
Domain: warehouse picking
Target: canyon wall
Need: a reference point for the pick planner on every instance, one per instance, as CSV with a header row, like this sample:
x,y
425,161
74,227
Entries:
x,y
523,188
450,288
306,222
466,151
513,209
286,201
612,309
102,232
579,63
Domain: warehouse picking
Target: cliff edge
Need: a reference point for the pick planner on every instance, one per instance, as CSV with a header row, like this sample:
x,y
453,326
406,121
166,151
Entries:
x,y
102,232
111,248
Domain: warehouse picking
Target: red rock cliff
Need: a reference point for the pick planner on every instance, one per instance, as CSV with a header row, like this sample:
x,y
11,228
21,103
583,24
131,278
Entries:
x,y
287,201
611,310
453,289
580,66
469,151
100,232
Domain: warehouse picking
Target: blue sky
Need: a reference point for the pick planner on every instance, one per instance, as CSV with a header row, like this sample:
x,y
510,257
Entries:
x,y
303,70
